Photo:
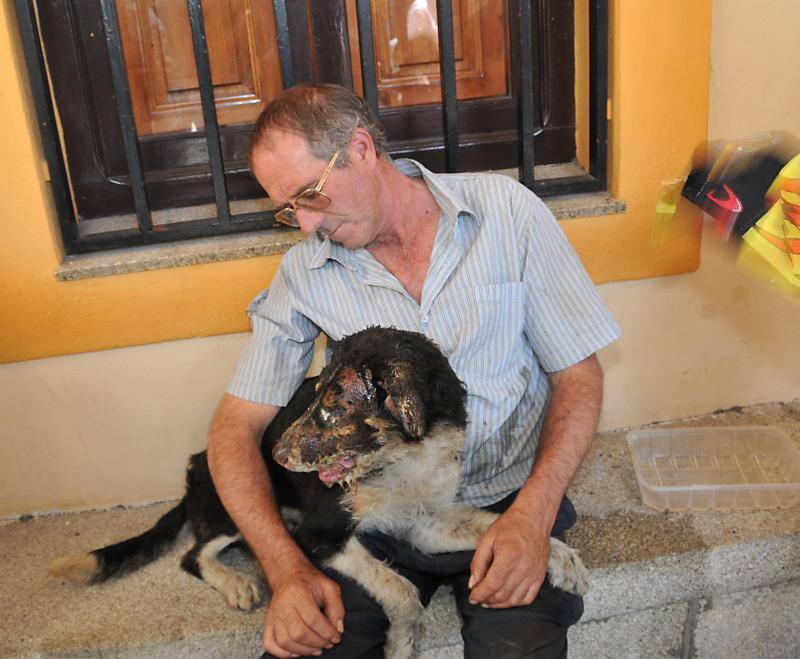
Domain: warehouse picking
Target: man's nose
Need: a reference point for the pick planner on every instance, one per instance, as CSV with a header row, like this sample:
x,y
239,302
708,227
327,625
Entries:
x,y
308,220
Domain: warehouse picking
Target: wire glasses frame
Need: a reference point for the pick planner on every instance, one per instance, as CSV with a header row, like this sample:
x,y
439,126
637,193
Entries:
x,y
310,198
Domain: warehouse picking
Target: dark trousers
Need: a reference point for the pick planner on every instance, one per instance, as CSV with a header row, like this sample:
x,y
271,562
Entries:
x,y
538,630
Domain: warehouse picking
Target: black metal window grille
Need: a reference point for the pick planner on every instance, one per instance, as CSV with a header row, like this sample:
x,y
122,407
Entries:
x,y
224,222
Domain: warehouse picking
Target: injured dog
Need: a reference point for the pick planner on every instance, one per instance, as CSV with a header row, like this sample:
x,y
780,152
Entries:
x,y
385,420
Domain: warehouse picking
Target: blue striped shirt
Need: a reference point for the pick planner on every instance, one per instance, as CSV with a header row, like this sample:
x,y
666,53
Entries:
x,y
505,298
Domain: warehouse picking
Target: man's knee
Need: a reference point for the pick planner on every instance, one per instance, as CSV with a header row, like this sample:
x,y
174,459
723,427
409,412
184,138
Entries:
x,y
538,630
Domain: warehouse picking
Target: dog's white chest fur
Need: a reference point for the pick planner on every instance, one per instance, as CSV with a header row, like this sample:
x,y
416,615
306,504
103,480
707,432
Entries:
x,y
420,482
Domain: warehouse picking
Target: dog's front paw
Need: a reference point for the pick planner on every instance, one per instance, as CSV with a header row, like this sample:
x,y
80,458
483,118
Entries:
x,y
566,569
239,591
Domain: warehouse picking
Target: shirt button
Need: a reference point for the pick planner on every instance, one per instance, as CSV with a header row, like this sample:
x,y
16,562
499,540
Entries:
x,y
425,320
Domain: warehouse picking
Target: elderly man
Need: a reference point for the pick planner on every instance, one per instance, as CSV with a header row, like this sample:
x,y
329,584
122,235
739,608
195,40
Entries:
x,y
477,263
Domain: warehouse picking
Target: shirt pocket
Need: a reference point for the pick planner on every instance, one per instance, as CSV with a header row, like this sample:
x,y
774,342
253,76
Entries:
x,y
489,327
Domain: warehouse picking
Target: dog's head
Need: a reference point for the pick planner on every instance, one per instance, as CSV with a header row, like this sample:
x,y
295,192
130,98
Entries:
x,y
381,385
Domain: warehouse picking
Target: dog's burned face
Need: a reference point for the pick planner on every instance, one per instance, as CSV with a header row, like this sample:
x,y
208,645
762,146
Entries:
x,y
352,418
382,388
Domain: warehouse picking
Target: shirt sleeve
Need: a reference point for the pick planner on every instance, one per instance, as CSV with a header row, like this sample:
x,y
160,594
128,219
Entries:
x,y
565,319
279,352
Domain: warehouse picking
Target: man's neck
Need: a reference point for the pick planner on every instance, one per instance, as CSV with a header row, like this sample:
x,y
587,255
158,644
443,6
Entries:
x,y
410,220
407,209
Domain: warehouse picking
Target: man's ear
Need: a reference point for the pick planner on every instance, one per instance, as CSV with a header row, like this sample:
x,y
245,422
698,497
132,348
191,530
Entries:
x,y
361,145
402,400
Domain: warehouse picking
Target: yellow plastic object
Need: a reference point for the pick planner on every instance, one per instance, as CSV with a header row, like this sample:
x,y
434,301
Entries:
x,y
720,468
776,235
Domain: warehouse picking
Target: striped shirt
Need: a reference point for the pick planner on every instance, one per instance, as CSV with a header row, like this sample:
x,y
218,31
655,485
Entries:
x,y
505,298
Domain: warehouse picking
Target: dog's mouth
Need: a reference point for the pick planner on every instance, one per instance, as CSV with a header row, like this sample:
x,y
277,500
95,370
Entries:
x,y
338,471
311,454
342,459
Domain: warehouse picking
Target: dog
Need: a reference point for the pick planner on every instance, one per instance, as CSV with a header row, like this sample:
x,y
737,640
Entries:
x,y
385,422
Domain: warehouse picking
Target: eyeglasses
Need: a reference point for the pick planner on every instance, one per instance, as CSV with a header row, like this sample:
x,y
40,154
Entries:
x,y
311,198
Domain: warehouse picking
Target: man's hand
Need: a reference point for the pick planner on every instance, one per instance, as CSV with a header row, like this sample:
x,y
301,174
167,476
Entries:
x,y
305,614
510,561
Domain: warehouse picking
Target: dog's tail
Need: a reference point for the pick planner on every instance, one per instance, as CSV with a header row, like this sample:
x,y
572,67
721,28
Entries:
x,y
122,557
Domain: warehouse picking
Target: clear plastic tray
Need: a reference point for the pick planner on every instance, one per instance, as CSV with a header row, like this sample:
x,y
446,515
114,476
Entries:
x,y
721,468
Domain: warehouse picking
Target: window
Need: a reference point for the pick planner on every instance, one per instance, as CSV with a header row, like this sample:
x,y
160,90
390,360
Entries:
x,y
147,149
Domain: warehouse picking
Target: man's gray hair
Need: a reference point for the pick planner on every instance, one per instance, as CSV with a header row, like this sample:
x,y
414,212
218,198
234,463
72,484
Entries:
x,y
325,115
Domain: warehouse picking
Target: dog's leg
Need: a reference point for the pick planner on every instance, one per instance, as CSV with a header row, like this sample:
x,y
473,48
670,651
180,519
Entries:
x,y
566,569
457,529
239,590
397,596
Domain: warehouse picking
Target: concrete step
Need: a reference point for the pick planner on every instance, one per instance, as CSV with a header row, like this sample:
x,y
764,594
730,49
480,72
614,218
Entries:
x,y
662,584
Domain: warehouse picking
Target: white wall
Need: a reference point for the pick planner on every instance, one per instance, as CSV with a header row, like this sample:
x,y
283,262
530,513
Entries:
x,y
755,68
103,428
699,342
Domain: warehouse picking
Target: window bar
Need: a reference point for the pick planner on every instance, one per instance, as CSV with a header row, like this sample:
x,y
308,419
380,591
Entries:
x,y
447,68
209,111
527,91
365,40
284,44
31,44
598,90
125,110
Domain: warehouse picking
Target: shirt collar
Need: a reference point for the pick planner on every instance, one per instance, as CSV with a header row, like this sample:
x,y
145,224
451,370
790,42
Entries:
x,y
452,205
328,250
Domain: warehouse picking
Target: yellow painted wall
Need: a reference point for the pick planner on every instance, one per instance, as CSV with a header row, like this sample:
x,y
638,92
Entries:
x,y
581,27
659,105
42,317
659,88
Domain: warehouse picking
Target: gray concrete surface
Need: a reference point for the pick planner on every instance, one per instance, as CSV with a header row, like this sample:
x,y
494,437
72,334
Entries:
x,y
662,580
760,624
662,584
651,633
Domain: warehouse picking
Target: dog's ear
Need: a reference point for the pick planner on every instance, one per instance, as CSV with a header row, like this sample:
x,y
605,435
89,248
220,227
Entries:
x,y
403,401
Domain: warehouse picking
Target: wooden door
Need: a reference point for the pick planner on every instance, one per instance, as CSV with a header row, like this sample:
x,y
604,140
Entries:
x,y
159,60
407,50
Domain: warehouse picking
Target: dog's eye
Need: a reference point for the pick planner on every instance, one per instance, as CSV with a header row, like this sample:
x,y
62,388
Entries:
x,y
330,416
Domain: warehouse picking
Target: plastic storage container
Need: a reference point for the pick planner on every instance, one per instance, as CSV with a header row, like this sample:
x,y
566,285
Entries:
x,y
721,468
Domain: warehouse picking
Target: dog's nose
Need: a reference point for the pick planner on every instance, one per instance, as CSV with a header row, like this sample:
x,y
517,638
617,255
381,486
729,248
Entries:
x,y
281,454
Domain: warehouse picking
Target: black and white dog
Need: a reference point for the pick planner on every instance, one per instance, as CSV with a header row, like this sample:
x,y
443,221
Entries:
x,y
385,419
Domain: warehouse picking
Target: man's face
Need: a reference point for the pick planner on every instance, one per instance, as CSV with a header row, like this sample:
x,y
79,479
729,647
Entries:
x,y
285,167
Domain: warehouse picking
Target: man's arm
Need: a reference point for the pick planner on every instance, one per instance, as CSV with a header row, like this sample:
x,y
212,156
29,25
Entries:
x,y
305,613
510,561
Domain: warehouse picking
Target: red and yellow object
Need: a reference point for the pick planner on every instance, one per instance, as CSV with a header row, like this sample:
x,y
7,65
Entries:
x,y
776,235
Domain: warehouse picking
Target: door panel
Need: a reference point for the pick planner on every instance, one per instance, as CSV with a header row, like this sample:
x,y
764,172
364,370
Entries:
x,y
407,50
159,60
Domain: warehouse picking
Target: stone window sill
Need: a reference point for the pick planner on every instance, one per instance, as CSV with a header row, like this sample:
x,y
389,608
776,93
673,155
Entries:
x,y
264,243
